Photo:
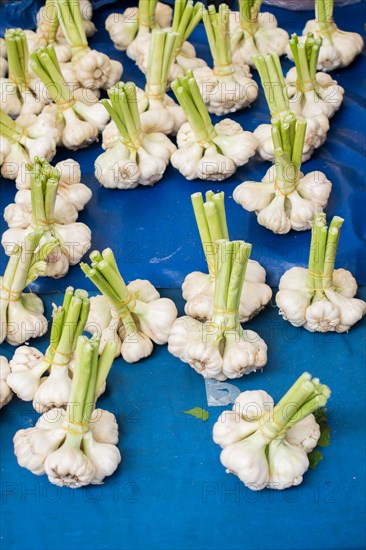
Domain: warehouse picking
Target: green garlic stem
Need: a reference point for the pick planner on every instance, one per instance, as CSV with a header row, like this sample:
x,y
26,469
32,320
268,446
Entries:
x,y
224,259
105,363
80,381
331,249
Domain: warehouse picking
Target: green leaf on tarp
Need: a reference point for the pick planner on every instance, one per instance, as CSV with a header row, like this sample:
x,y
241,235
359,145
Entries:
x,y
199,413
322,420
314,458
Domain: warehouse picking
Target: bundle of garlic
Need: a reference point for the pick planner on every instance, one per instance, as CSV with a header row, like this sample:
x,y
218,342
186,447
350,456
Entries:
x,y
321,298
24,139
47,33
77,447
137,157
338,48
198,288
5,392
79,122
285,199
205,151
228,86
159,112
124,28
266,445
133,316
220,348
20,93
186,17
254,33
29,366
66,239
310,93
3,56
22,313
275,90
71,193
92,69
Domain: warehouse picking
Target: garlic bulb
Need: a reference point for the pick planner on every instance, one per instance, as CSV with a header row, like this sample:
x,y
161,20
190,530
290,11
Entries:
x,y
3,61
338,48
27,137
75,447
254,33
72,195
79,122
320,298
159,112
266,445
21,313
208,151
220,348
70,240
285,199
124,28
5,392
137,157
28,366
136,319
20,93
227,87
311,94
186,17
198,288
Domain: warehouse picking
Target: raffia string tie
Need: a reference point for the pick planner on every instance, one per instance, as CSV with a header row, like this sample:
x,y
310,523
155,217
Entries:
x,y
283,189
306,85
224,70
14,296
64,105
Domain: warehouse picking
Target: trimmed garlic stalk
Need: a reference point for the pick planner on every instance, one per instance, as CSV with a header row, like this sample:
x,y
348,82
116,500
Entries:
x,y
227,87
67,240
20,93
22,313
79,122
321,298
24,139
186,17
207,151
138,323
73,448
266,445
124,28
46,33
198,288
137,157
276,93
159,112
254,33
220,348
285,199
311,94
71,193
338,48
28,381
5,392
93,69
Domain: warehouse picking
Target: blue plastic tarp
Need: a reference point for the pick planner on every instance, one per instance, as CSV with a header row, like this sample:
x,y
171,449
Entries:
x,y
170,491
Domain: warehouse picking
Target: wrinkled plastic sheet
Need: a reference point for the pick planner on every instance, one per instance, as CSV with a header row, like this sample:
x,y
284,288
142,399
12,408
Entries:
x,y
152,230
170,490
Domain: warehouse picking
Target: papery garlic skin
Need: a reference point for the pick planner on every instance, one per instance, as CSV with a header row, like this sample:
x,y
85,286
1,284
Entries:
x,y
27,368
280,211
5,391
227,93
69,468
254,452
333,310
338,49
104,456
268,38
315,135
205,162
123,27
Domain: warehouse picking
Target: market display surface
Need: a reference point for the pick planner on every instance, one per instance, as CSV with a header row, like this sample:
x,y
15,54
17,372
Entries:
x,y
145,458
